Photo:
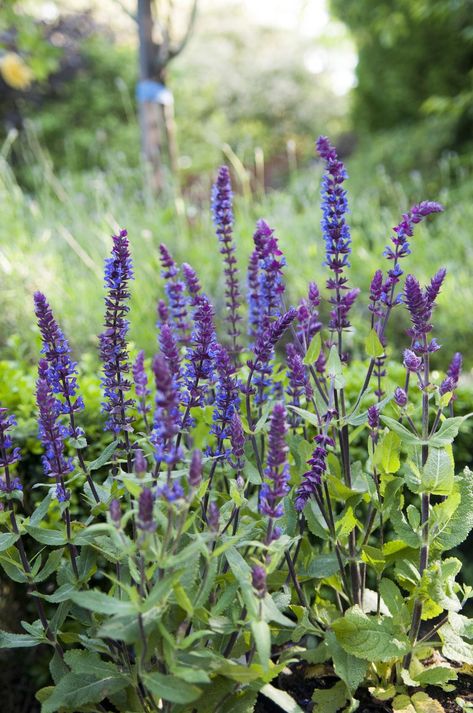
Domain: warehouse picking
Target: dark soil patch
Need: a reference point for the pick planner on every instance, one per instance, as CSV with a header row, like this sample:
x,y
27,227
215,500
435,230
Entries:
x,y
301,688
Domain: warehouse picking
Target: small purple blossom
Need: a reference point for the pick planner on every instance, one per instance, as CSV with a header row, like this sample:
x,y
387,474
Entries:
x,y
113,344
299,385
167,419
170,351
237,441
308,315
276,485
420,304
253,295
455,367
213,516
258,580
400,397
115,512
411,361
8,454
447,386
373,417
145,519
140,465
171,491
162,312
222,211
267,341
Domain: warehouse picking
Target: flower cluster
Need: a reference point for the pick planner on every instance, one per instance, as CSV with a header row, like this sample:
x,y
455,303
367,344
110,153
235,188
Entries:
x,y
313,477
113,344
167,418
227,396
141,383
199,368
299,384
420,304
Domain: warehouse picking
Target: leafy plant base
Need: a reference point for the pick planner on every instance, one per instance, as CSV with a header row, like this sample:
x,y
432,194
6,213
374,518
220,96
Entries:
x,y
301,688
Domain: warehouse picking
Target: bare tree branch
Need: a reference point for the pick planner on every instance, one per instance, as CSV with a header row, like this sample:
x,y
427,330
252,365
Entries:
x,y
174,51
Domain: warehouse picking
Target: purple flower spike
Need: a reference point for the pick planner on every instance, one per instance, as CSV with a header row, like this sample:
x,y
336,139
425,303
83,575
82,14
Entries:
x,y
336,235
140,465
200,362
51,433
227,398
162,313
192,283
223,218
113,344
61,369
171,492
167,419
400,397
8,454
175,291
313,477
411,361
373,418
145,519
308,315
141,383
195,469
237,440
277,470
170,351
258,580
447,386
420,304
299,385
454,370
267,341
253,295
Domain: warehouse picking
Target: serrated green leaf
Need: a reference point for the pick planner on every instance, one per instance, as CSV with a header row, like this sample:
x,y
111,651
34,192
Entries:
x,y
321,566
90,663
350,669
75,690
455,648
370,637
313,351
459,525
18,641
373,346
54,538
437,474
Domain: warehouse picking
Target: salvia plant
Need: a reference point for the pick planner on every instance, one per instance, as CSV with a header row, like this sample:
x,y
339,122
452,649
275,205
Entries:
x,y
251,511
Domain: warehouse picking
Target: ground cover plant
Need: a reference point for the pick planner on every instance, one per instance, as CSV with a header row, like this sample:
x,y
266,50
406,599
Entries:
x,y
251,510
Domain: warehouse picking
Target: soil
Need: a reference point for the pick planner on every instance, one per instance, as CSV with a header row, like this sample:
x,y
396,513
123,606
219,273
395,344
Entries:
x,y
301,688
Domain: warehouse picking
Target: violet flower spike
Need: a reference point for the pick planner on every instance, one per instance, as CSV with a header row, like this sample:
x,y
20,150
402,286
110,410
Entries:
x,y
193,285
237,441
313,477
276,485
8,454
175,292
222,211
400,397
167,419
299,384
52,433
113,342
195,469
170,351
199,369
254,312
227,395
145,521
258,580
141,383
336,234
62,371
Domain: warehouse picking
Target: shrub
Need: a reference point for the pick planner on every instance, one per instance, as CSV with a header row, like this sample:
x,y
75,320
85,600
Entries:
x,y
241,525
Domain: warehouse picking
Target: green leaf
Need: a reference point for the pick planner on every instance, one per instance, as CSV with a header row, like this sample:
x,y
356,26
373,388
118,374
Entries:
x,y
281,698
346,523
55,538
90,663
370,637
170,688
62,594
334,368
392,597
447,431
74,690
18,641
262,636
313,351
406,436
373,346
455,647
423,703
104,457
102,603
330,700
386,455
7,539
305,415
321,566
458,526
349,668
437,474
435,675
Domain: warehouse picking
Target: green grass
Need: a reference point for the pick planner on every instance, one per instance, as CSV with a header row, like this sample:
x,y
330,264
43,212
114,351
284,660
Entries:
x,y
57,238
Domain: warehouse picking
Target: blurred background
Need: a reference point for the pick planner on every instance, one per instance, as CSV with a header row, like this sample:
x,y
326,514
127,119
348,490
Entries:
x,y
117,113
